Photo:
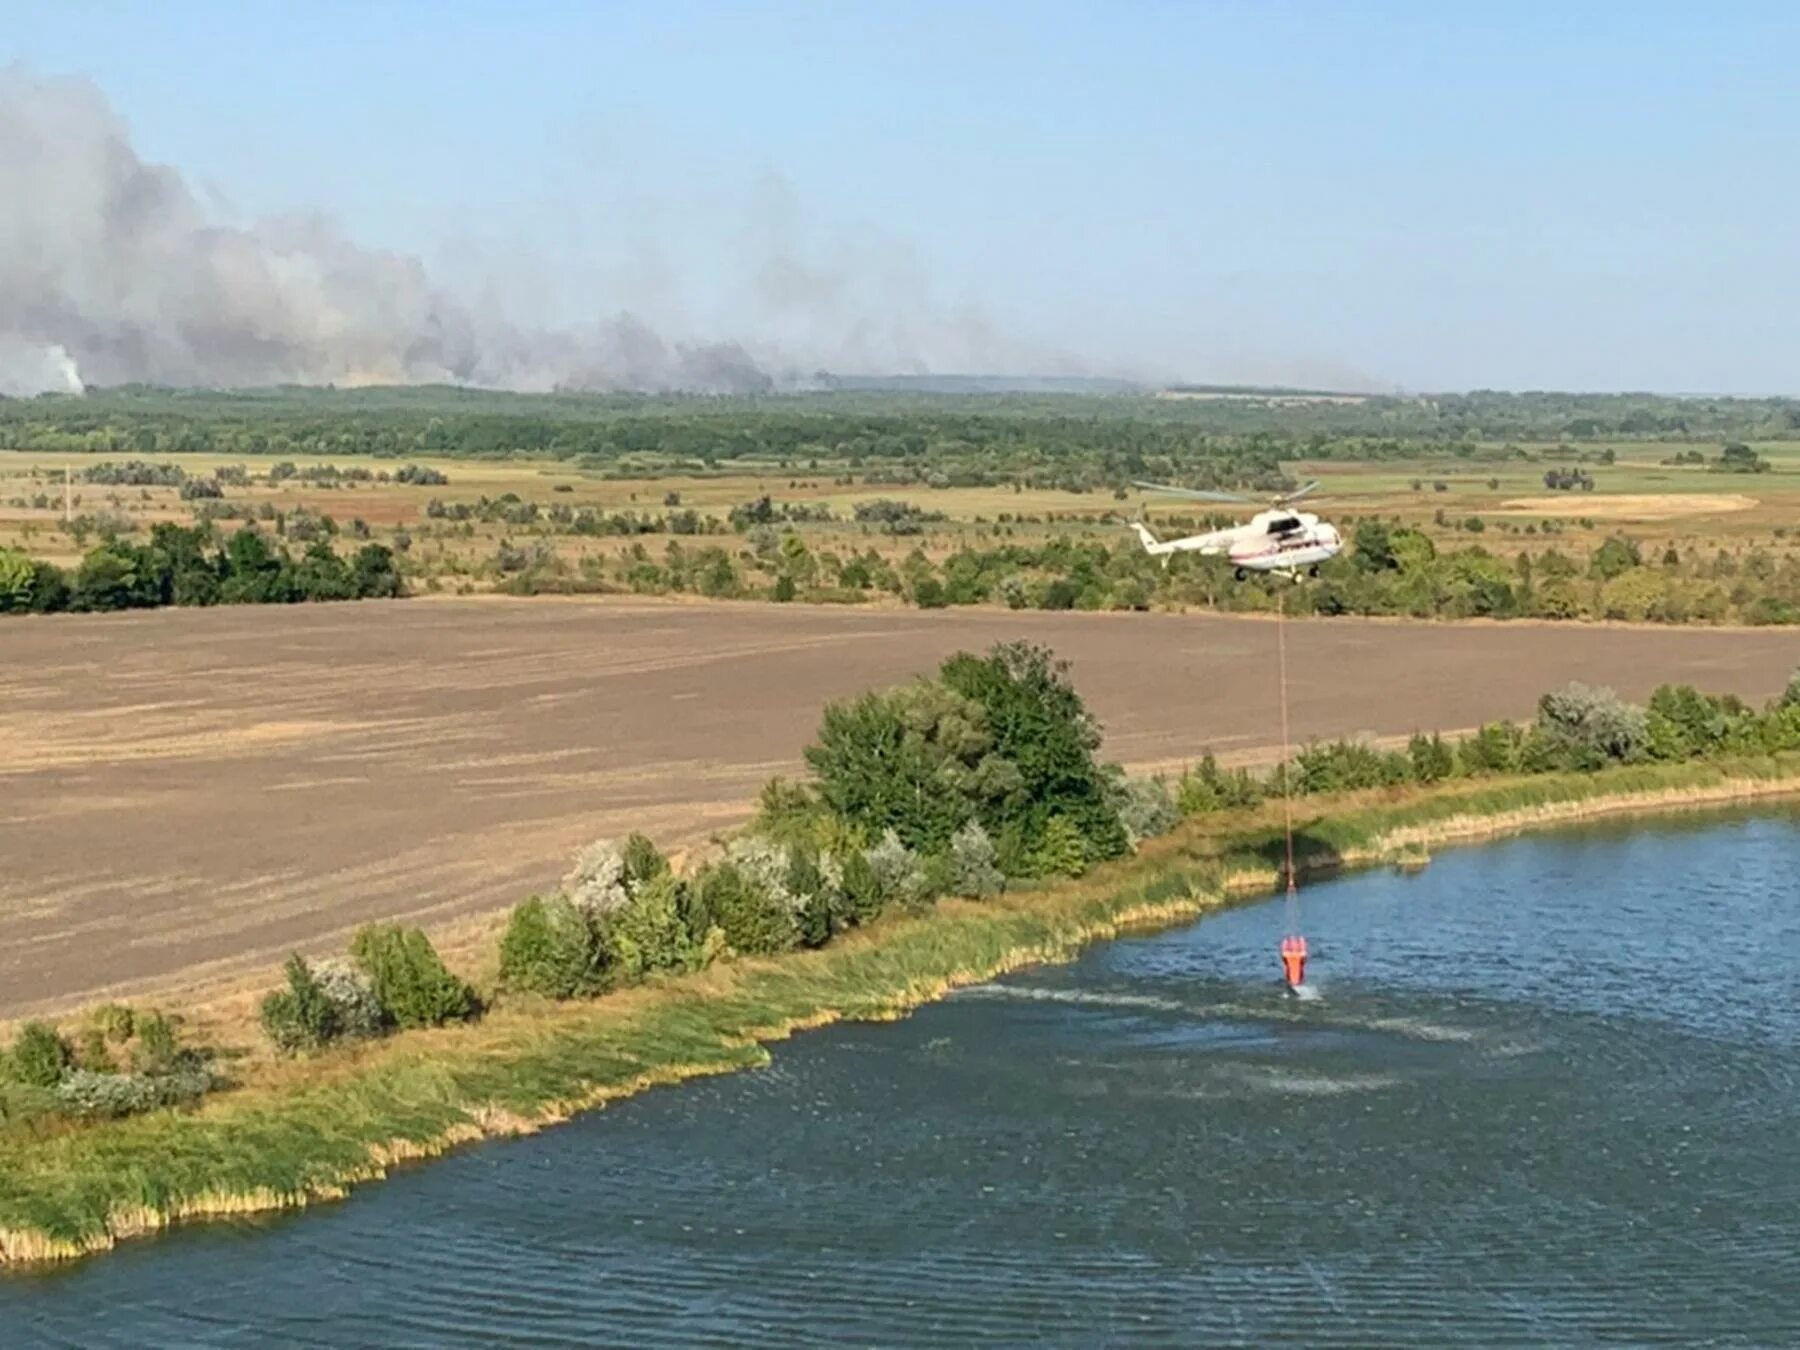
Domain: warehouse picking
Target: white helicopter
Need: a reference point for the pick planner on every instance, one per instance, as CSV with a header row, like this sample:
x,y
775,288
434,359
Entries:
x,y
1278,540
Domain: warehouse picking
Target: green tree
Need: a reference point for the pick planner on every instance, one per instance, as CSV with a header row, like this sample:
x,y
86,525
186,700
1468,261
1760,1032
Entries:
x,y
299,1017
754,919
649,934
1638,593
861,888
1042,729
918,759
1432,760
1062,849
18,578
409,977
1614,557
113,576
255,572
550,948
375,574
39,1057
1493,749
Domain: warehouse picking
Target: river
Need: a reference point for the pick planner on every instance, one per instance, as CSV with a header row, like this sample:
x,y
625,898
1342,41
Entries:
x,y
1549,1093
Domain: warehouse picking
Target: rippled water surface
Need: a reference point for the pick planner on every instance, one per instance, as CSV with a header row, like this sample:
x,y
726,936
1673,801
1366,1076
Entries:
x,y
1550,1094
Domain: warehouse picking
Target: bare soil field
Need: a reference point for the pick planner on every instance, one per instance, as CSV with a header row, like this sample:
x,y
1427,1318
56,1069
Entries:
x,y
187,794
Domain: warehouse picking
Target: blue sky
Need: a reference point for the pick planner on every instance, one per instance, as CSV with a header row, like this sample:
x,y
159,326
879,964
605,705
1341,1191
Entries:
x,y
1424,196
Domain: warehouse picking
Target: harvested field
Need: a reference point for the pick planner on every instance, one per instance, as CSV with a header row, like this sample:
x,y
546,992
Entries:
x,y
189,793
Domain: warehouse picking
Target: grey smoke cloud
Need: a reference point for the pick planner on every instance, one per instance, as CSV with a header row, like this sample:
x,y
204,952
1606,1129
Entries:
x,y
113,270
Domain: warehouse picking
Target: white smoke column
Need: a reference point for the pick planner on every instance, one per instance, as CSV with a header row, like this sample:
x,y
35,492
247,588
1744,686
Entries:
x,y
111,272
110,267
27,369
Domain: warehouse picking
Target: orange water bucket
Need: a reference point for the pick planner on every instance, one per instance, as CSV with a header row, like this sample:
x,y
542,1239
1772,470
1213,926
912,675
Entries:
x,y
1293,959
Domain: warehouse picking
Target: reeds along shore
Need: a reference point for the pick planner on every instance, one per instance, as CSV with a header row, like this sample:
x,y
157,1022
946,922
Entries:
x,y
310,1130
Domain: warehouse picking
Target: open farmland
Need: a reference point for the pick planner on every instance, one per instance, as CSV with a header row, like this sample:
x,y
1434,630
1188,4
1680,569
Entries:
x,y
189,793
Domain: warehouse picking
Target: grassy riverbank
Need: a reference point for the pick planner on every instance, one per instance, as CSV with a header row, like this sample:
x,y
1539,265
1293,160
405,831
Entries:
x,y
306,1130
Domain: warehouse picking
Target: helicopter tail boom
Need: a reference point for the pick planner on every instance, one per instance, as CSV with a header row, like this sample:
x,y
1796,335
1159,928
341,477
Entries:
x,y
1150,542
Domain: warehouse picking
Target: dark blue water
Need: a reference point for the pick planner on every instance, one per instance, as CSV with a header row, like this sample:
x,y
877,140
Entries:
x,y
1550,1094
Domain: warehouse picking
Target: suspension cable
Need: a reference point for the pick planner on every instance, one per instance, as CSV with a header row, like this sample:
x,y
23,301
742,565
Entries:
x,y
1287,795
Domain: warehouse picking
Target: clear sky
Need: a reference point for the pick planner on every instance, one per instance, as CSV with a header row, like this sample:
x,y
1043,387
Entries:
x,y
1427,196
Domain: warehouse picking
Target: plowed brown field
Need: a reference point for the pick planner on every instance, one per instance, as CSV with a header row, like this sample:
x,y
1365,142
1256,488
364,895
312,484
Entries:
x,y
189,793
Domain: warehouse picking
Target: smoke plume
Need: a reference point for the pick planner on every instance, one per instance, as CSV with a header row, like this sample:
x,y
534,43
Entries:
x,y
111,270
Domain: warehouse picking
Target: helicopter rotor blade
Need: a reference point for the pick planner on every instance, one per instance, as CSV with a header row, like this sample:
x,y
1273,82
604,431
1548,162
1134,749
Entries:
x,y
1296,494
1196,494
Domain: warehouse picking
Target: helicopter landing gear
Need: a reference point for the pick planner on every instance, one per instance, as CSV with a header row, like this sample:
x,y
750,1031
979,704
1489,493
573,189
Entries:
x,y
1239,574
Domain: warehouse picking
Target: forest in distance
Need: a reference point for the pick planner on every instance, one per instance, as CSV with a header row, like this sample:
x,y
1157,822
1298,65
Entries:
x,y
1238,437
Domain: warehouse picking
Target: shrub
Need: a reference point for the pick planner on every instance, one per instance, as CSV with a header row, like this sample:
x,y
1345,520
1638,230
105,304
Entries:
x,y
86,1093
1062,851
409,977
1494,749
157,1042
39,1055
1790,697
744,896
1587,727
1210,788
1431,759
596,883
642,860
91,1051
788,812
815,893
1681,722
18,578
899,877
550,947
299,1017
116,1021
352,997
1347,766
1144,807
860,887
649,934
974,872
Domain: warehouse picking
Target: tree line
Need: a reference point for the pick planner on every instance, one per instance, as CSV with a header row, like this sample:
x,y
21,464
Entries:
x,y
191,565
1388,570
1048,438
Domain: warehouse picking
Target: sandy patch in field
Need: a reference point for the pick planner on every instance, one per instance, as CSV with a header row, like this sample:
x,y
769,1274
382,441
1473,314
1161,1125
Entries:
x,y
1632,506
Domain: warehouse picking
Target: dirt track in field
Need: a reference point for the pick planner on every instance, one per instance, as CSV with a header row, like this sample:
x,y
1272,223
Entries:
x,y
190,793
